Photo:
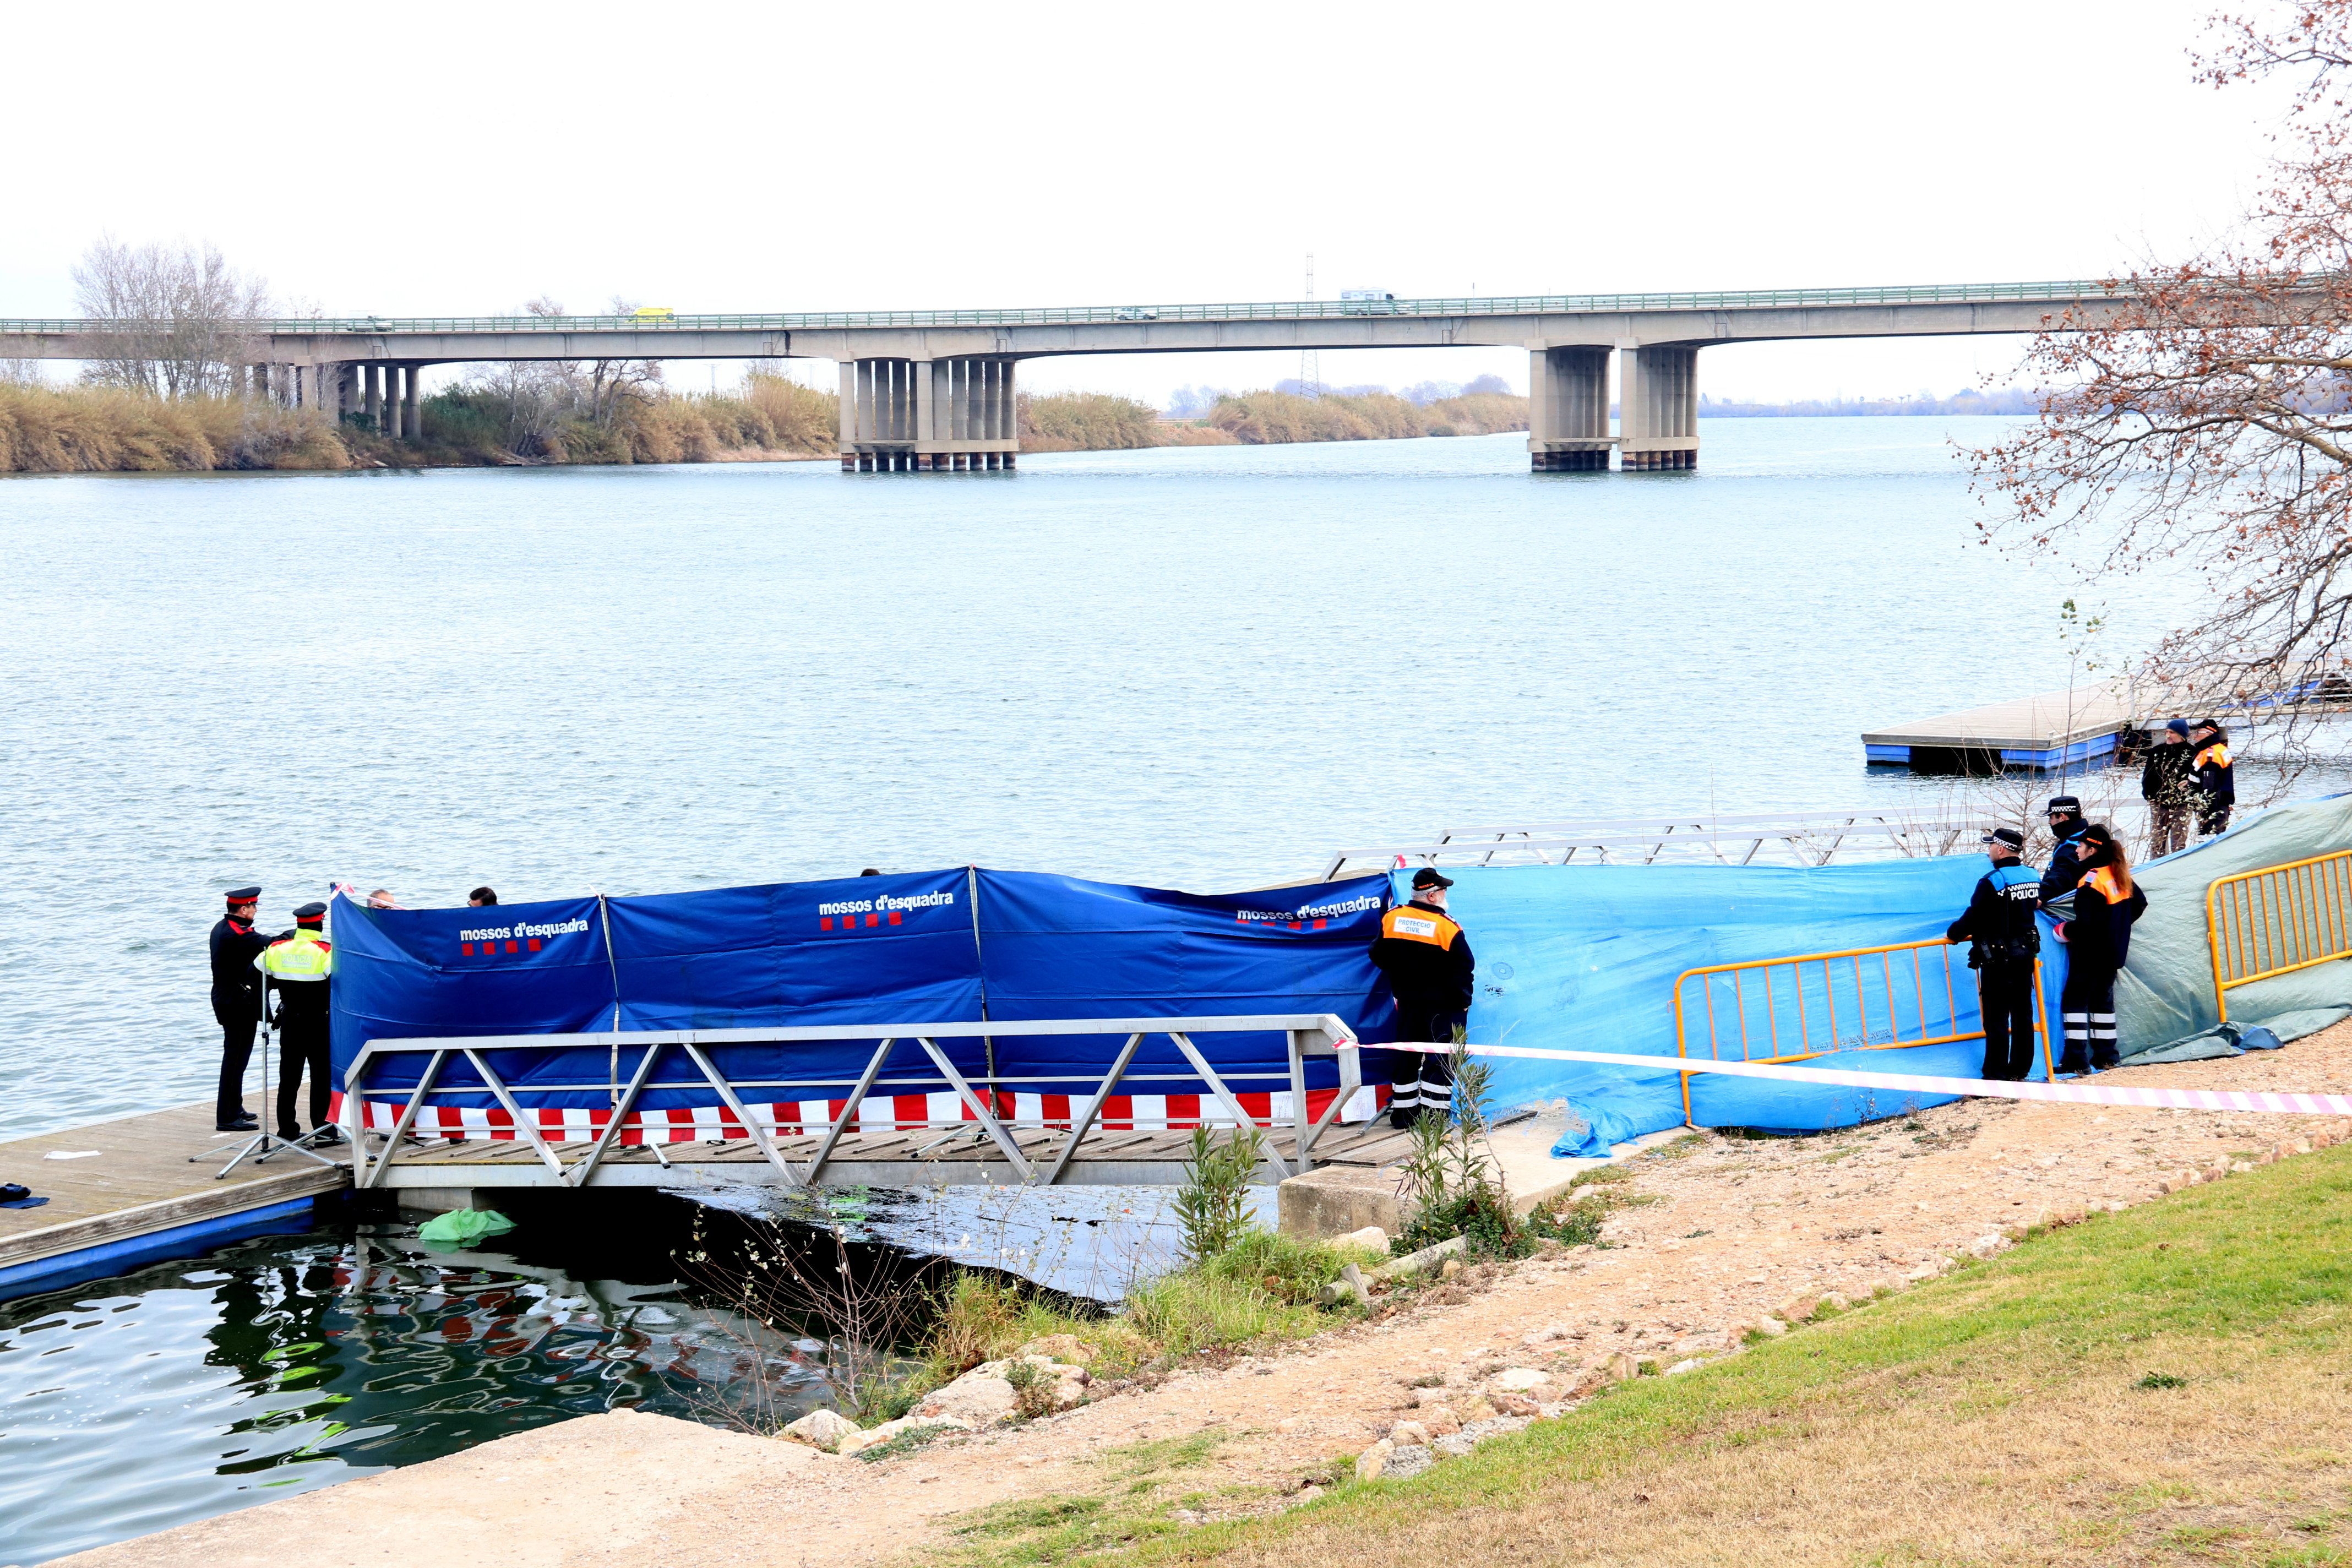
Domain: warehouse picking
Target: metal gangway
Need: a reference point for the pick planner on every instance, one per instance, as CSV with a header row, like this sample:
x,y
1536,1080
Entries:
x,y
1773,838
911,1118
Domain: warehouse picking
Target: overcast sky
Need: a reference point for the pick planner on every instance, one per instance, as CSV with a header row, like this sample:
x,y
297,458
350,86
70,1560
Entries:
x,y
422,158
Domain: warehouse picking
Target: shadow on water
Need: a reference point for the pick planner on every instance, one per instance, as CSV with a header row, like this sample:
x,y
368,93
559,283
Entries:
x,y
289,1362
285,1363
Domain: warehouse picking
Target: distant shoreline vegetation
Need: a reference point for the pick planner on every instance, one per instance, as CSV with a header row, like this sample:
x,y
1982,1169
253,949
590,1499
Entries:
x,y
614,413
2006,400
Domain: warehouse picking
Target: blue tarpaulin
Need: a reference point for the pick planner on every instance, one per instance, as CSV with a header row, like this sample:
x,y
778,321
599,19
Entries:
x,y
866,951
1057,947
1586,958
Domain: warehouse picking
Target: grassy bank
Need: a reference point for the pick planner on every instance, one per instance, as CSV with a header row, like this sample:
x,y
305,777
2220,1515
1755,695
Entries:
x,y
2165,1385
490,420
770,415
87,429
1260,417
84,429
1097,422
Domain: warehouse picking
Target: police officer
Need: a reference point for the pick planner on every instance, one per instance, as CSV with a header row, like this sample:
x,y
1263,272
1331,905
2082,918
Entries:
x,y
1998,923
297,967
237,1005
1426,959
2067,826
2217,784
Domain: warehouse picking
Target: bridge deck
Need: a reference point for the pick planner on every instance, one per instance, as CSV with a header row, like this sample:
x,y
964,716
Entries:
x,y
924,1158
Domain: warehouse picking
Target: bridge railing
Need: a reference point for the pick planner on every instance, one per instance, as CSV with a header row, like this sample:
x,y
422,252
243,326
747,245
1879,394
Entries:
x,y
1117,315
677,1059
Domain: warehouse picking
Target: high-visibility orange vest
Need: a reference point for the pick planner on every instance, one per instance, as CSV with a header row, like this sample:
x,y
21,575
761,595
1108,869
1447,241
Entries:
x,y
1420,922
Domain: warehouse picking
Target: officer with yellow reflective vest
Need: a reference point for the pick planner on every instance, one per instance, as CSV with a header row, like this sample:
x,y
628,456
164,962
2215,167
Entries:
x,y
1427,960
298,970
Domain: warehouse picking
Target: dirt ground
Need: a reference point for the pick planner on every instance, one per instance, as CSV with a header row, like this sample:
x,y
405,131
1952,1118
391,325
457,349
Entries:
x,y
1720,1231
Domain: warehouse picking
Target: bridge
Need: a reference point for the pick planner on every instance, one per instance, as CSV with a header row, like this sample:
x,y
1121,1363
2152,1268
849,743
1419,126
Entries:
x,y
933,390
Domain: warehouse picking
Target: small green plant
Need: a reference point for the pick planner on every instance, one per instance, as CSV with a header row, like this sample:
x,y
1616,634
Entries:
x,y
1212,1205
2161,1379
1570,1221
1450,1178
1032,1388
906,1442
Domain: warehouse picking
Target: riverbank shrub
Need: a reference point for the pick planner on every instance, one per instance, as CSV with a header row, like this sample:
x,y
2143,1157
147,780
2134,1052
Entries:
x,y
91,430
1086,421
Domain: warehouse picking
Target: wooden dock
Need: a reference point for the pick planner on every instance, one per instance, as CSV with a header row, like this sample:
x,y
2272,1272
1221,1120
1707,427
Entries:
x,y
138,1199
2055,729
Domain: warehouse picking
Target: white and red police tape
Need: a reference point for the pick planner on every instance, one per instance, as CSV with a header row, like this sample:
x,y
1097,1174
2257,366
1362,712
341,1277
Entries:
x,y
2075,1093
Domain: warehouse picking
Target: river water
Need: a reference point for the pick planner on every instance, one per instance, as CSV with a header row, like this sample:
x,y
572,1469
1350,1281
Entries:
x,y
1199,667
1203,667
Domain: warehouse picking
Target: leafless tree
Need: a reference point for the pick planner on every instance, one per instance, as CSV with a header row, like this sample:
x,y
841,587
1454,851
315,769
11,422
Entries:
x,y
22,373
178,317
2202,422
615,384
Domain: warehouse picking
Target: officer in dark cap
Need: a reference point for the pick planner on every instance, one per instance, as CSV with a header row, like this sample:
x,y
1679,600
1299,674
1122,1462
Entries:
x,y
237,1003
1998,923
2067,826
1427,960
297,967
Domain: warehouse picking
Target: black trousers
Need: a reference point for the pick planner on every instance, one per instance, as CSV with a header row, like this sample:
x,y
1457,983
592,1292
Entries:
x,y
299,1046
2088,1003
1418,1081
2214,817
2005,997
236,1050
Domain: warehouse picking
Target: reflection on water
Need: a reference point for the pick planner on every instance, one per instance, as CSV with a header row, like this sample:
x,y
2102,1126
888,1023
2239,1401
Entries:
x,y
1090,1243
290,1363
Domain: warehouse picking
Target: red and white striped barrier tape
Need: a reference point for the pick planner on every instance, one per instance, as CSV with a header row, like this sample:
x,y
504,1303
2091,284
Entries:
x,y
2075,1093
879,1113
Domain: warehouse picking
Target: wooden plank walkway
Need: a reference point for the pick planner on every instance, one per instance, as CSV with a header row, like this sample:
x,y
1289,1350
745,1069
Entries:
x,y
140,1181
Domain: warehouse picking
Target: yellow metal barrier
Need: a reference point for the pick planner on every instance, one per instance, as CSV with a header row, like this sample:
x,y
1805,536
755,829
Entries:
x,y
2273,922
1873,1023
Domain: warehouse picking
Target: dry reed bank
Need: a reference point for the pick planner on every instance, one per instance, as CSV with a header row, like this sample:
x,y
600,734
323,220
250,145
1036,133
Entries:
x,y
493,421
1096,422
87,429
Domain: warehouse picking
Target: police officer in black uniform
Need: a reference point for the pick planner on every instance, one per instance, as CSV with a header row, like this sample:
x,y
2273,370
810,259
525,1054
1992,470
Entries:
x,y
1426,957
2067,826
1998,923
237,1005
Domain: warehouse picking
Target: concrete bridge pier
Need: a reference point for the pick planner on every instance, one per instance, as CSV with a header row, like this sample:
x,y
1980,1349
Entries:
x,y
372,399
411,418
1657,407
1567,409
929,416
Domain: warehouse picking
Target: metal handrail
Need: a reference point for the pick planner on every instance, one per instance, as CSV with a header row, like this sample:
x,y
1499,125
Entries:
x,y
1809,838
1917,952
2264,923
1307,1034
1150,315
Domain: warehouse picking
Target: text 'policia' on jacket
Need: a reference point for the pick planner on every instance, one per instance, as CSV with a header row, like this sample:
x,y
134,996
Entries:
x,y
1425,956
2000,917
